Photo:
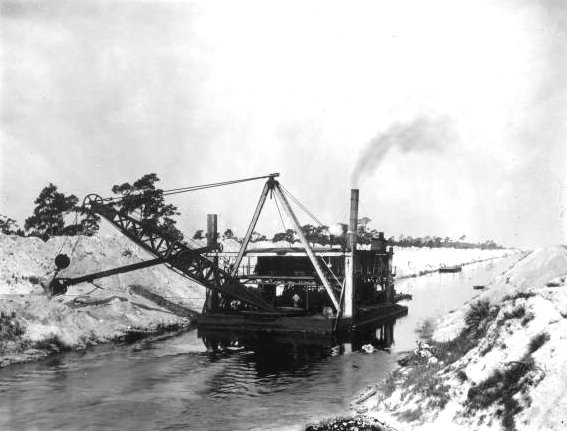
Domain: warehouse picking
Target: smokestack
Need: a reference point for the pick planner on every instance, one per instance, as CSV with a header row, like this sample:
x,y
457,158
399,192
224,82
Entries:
x,y
353,219
349,303
211,229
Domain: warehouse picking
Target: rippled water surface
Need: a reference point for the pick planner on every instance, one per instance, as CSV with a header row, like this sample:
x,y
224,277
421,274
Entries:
x,y
233,384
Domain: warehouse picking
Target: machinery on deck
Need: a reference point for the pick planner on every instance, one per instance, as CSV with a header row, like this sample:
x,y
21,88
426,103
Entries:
x,y
289,290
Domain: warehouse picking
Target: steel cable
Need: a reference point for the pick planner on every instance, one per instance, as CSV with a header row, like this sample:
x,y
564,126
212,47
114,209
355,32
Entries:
x,y
198,187
279,212
301,206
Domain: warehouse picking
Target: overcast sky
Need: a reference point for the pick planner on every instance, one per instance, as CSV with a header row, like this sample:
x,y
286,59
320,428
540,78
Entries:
x,y
448,115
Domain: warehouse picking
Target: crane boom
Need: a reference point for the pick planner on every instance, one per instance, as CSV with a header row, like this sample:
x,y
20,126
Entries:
x,y
173,253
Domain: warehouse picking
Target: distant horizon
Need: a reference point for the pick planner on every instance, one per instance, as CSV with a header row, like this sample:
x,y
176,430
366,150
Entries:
x,y
274,226
448,116
107,229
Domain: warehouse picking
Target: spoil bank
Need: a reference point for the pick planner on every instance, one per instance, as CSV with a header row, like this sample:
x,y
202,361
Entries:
x,y
497,363
118,308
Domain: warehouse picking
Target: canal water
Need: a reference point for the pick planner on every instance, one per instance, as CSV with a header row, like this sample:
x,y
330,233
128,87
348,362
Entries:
x,y
222,381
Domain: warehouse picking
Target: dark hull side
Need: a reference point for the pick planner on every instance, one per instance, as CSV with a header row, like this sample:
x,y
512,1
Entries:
x,y
302,324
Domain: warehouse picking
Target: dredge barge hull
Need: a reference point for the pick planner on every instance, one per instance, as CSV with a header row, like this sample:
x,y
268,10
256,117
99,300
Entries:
x,y
312,324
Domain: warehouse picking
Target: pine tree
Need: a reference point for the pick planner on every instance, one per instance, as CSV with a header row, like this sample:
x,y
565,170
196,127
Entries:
x,y
8,226
257,236
88,225
142,197
288,235
48,217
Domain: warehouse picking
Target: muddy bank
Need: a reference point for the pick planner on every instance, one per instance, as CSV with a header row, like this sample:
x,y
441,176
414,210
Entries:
x,y
497,363
115,309
34,329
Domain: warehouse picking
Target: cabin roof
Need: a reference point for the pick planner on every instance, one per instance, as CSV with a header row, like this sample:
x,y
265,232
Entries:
x,y
288,251
298,252
285,250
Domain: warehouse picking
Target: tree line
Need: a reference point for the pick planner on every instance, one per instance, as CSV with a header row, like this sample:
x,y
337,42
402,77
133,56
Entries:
x,y
52,216
321,235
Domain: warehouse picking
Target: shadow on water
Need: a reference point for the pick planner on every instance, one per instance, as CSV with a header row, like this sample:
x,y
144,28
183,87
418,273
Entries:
x,y
262,363
271,353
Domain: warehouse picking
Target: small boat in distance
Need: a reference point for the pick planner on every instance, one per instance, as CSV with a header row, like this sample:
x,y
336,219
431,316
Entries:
x,y
454,268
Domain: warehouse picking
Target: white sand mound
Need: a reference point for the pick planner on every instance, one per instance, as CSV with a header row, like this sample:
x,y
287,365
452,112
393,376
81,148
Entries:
x,y
516,375
115,309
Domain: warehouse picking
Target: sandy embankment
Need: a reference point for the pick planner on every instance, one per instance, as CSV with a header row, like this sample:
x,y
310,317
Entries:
x,y
499,362
414,261
32,325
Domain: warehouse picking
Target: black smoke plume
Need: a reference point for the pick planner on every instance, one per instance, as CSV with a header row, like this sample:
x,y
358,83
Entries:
x,y
421,134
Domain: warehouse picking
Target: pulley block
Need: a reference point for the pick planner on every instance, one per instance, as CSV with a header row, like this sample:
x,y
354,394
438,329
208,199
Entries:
x,y
57,287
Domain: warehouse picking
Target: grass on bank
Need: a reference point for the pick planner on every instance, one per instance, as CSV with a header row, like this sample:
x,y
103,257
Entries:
x,y
349,424
11,332
506,390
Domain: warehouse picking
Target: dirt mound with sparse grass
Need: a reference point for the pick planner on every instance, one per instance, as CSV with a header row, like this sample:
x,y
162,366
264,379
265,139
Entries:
x,y
119,308
349,424
497,363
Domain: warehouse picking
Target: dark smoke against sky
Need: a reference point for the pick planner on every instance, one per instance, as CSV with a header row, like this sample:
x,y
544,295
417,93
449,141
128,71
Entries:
x,y
100,92
423,134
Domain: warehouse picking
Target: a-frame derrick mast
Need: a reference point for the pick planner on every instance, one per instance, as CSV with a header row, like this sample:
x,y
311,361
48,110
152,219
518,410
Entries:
x,y
274,187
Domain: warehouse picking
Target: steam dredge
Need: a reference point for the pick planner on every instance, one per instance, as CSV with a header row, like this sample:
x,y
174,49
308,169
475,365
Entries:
x,y
309,290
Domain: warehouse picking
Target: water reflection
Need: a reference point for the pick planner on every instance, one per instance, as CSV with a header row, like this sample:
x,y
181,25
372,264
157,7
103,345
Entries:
x,y
277,367
270,354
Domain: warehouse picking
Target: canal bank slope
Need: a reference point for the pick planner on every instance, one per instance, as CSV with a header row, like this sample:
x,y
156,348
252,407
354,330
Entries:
x,y
122,306
497,363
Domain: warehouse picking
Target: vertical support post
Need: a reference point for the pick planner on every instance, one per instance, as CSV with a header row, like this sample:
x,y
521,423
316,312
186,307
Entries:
x,y
389,330
287,207
267,187
212,234
211,229
391,294
349,301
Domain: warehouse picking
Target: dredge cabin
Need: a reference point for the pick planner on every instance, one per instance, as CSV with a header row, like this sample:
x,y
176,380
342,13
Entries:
x,y
309,290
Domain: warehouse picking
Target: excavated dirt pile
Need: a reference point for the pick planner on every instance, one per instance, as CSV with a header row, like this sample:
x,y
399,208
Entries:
x,y
497,363
142,302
